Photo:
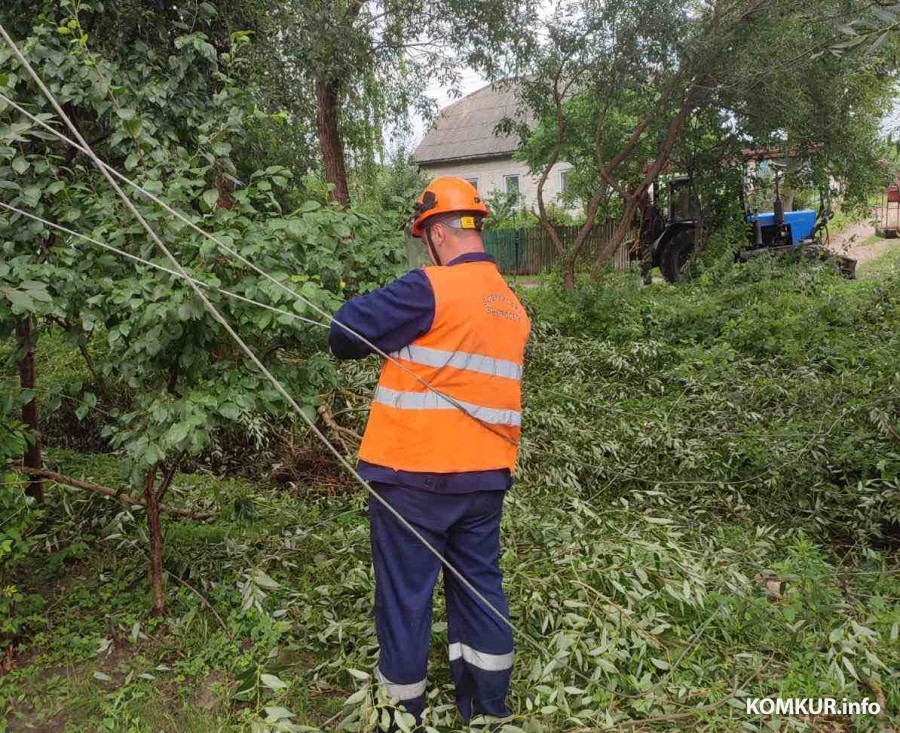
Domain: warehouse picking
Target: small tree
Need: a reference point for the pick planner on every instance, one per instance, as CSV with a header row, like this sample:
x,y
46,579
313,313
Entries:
x,y
172,121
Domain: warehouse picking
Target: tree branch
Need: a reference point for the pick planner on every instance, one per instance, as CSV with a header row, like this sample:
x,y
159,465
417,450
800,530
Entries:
x,y
106,491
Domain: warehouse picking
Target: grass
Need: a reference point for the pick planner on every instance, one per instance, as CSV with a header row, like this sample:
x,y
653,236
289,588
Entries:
x,y
654,599
885,265
641,604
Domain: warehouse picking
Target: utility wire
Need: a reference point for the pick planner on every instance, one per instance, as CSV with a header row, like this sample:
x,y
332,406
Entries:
x,y
161,268
109,172
198,291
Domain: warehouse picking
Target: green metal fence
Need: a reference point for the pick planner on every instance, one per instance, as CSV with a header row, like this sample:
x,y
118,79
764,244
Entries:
x,y
531,251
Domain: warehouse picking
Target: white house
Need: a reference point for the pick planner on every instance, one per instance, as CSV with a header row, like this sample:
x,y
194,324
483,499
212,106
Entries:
x,y
463,142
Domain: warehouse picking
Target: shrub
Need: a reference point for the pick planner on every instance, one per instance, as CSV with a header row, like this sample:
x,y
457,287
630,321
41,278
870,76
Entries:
x,y
763,390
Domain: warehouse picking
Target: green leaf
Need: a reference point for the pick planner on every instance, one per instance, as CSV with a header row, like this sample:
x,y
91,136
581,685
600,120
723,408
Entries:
x,y
178,432
210,197
272,682
230,411
274,714
20,299
265,581
878,43
20,164
356,698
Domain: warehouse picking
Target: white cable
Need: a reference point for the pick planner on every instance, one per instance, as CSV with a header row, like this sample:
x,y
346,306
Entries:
x,y
161,268
249,352
108,170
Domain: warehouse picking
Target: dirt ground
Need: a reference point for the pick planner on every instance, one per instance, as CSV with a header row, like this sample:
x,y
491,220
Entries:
x,y
859,242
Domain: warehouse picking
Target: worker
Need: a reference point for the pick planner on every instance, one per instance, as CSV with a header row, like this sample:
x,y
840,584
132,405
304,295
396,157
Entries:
x,y
442,457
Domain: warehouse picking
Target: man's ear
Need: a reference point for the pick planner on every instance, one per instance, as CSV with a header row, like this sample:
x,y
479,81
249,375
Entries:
x,y
437,233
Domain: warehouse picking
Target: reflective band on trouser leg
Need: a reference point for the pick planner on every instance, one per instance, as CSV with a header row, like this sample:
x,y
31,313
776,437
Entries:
x,y
481,647
433,401
400,693
482,660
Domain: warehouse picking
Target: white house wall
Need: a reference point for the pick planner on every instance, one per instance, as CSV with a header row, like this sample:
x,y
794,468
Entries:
x,y
491,173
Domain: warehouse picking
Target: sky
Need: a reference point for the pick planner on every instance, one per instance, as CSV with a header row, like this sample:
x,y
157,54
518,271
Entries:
x,y
471,80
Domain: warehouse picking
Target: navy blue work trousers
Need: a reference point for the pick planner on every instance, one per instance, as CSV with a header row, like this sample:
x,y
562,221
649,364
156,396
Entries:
x,y
465,529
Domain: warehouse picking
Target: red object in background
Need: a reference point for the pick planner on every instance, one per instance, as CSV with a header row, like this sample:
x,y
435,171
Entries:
x,y
894,193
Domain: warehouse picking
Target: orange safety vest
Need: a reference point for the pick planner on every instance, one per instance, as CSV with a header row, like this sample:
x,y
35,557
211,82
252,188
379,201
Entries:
x,y
473,354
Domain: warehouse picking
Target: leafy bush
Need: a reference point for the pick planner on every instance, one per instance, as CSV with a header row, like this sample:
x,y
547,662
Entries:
x,y
171,117
762,390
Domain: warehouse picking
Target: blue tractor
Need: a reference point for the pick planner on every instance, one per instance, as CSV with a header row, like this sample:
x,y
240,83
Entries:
x,y
667,240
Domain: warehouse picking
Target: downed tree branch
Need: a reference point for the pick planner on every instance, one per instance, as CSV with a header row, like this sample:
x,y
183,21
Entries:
x,y
106,491
340,431
204,601
633,724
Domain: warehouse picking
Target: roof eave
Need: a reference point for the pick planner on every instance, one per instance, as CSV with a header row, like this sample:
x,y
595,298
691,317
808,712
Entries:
x,y
461,158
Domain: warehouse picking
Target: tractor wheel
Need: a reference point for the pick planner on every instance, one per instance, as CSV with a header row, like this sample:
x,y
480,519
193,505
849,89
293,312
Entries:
x,y
675,256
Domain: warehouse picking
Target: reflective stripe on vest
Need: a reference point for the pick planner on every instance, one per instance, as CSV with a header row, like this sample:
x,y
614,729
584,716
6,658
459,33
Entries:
x,y
460,360
434,401
472,358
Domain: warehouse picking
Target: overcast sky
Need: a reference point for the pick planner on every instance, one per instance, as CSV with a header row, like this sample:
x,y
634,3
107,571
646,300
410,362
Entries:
x,y
472,80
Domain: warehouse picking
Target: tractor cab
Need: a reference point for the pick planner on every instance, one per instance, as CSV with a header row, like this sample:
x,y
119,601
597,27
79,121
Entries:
x,y
671,217
670,212
683,202
780,228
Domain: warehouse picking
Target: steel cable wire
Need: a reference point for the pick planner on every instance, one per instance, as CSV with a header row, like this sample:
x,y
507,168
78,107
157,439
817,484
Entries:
x,y
161,268
109,171
198,291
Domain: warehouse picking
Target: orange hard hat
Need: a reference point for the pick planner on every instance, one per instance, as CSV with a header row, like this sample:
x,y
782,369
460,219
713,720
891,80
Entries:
x,y
448,195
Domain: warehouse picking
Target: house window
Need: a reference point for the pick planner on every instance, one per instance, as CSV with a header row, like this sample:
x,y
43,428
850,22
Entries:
x,y
564,181
512,185
473,181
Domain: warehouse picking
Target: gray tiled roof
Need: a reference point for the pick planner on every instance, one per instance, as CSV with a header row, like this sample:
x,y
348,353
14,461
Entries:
x,y
465,129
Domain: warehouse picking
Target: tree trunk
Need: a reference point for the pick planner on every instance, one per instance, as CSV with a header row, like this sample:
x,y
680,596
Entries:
x,y
651,172
569,273
155,530
327,114
30,416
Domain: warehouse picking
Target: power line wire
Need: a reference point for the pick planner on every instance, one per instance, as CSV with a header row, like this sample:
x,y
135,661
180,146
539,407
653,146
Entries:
x,y
161,268
110,172
207,304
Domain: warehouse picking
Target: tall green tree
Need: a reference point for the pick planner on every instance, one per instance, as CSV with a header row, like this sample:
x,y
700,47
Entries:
x,y
614,87
367,63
